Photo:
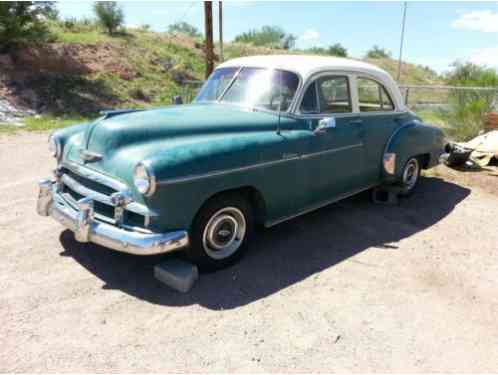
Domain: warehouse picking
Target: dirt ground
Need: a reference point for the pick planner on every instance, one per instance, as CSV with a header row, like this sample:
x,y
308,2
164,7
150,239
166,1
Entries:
x,y
351,287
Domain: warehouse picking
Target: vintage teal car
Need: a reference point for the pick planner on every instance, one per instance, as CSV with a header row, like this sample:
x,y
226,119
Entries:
x,y
268,138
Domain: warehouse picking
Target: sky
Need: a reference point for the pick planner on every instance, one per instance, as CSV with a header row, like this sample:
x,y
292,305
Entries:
x,y
437,33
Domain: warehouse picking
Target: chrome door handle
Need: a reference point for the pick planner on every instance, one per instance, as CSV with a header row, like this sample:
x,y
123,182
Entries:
x,y
324,124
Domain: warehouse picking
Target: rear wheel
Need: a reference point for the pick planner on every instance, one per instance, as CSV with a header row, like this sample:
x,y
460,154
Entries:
x,y
410,176
221,232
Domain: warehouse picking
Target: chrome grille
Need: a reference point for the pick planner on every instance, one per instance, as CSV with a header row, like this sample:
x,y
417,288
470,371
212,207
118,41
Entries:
x,y
75,186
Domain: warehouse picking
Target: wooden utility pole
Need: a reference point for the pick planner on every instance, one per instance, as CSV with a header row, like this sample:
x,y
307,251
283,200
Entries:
x,y
208,20
220,16
398,76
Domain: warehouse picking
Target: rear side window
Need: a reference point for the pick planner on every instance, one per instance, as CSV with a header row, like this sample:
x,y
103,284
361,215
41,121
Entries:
x,y
328,94
373,97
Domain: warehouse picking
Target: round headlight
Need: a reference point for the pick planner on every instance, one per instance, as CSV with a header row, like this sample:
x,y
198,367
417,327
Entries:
x,y
144,179
54,146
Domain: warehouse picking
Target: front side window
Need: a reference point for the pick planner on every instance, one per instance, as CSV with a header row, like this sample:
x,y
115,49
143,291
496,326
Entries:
x,y
254,87
328,94
373,97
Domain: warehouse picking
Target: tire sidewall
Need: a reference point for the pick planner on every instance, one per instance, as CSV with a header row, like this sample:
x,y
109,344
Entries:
x,y
406,193
196,251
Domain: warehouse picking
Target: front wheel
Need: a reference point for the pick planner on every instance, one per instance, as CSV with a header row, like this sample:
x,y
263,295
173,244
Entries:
x,y
221,232
410,176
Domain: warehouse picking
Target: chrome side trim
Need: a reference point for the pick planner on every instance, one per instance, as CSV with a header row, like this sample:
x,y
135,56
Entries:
x,y
285,158
189,178
331,151
317,206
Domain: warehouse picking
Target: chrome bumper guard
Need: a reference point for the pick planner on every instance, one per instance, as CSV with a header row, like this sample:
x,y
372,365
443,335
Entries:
x,y
87,229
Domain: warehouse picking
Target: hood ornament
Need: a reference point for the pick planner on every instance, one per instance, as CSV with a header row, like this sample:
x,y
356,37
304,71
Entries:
x,y
89,156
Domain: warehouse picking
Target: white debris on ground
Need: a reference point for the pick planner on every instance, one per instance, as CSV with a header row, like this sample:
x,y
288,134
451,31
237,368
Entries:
x,y
485,147
11,115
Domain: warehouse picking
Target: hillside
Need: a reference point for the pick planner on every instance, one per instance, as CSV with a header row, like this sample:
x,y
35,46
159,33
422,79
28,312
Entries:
x,y
84,71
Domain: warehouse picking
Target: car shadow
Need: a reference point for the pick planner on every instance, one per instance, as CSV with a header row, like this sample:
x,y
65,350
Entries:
x,y
283,255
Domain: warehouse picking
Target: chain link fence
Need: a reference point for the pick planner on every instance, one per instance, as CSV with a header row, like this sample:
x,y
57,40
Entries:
x,y
460,111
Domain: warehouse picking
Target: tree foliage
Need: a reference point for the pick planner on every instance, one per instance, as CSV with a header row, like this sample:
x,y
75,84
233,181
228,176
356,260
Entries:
x,y
110,15
184,28
268,36
377,52
22,22
337,50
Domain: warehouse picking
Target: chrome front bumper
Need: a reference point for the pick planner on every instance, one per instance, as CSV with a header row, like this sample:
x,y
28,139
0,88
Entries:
x,y
87,229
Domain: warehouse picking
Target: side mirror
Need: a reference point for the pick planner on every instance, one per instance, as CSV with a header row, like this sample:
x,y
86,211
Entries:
x,y
324,124
177,100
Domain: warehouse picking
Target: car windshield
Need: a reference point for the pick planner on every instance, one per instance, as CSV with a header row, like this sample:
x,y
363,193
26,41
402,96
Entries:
x,y
251,87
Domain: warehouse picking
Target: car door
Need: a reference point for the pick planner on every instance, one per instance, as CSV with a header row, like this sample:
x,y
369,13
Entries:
x,y
380,120
335,159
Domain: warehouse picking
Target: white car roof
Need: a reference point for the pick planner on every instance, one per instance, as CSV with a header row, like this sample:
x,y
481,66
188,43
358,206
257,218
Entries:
x,y
307,65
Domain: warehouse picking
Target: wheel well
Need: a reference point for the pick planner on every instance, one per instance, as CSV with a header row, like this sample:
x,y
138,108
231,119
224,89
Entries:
x,y
252,195
424,160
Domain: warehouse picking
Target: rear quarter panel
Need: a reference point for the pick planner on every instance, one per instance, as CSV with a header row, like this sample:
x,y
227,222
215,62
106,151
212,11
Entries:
x,y
414,138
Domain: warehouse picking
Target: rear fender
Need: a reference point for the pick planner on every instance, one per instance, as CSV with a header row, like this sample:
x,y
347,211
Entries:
x,y
411,139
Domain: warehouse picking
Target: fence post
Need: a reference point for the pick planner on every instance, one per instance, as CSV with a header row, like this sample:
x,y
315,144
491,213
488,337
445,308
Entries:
x,y
407,92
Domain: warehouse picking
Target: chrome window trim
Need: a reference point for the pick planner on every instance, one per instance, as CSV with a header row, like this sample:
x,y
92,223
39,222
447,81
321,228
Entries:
x,y
285,158
392,113
317,116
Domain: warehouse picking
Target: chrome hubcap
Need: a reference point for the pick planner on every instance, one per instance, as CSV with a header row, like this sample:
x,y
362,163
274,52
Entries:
x,y
410,174
224,233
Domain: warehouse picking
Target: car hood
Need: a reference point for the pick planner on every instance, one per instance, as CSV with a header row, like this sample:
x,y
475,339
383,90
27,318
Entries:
x,y
173,122
124,140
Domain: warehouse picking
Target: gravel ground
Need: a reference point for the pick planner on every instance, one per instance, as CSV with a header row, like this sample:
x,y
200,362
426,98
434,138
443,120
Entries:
x,y
351,287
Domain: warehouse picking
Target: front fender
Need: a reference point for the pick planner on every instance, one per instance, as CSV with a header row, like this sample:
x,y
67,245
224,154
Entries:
x,y
190,174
